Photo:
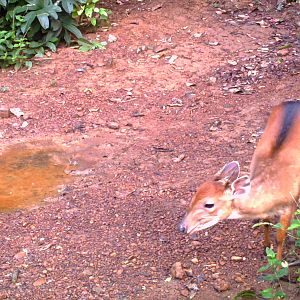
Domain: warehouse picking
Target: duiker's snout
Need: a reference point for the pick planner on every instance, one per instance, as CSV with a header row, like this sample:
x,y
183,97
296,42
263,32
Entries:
x,y
182,227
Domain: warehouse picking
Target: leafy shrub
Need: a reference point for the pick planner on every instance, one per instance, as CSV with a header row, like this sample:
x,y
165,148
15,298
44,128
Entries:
x,y
277,269
27,27
87,12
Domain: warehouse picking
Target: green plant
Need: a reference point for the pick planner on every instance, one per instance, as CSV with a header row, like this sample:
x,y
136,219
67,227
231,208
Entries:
x,y
28,27
278,270
88,12
85,45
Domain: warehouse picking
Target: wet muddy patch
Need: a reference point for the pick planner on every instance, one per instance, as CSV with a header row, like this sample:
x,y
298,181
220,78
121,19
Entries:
x,y
30,172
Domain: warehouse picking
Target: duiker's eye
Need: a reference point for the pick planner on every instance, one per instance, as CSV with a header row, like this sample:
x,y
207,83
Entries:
x,y
209,205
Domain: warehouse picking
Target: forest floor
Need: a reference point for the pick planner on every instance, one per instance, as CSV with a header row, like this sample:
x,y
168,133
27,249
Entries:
x,y
126,135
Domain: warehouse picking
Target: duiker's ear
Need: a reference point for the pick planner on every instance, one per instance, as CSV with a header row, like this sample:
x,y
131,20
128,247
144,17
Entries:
x,y
241,187
229,173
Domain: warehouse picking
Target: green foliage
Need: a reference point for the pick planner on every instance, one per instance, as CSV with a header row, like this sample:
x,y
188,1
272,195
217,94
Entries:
x,y
249,294
278,268
28,27
87,12
89,45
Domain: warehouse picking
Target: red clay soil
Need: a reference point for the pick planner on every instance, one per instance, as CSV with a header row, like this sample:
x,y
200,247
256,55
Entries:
x,y
185,88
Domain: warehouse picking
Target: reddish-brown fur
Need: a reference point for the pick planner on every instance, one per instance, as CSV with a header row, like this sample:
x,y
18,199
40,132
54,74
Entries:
x,y
274,177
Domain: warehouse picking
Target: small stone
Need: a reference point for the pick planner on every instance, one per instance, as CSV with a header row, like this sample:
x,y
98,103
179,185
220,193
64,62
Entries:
x,y
40,281
177,270
185,292
24,124
238,279
212,80
194,260
20,255
111,38
3,295
232,62
15,276
17,112
88,271
221,286
213,43
198,35
237,258
189,272
193,287
113,125
196,243
283,52
4,112
222,262
215,275
119,272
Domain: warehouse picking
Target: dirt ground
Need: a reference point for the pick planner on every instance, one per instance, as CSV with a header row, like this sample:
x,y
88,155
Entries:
x,y
185,87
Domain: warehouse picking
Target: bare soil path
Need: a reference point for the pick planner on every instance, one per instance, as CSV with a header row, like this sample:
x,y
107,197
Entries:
x,y
185,88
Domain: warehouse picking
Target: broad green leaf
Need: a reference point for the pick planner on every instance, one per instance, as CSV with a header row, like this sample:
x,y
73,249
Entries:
x,y
277,226
280,295
94,21
44,20
270,252
282,272
34,44
73,29
248,294
67,38
68,6
28,64
29,18
295,224
51,46
267,293
88,11
3,3
264,268
270,277
56,25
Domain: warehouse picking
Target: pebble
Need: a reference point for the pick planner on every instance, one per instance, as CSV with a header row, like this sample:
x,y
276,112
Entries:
x,y
185,292
20,255
111,38
113,125
40,281
238,279
221,286
177,270
4,112
237,258
194,260
222,262
283,52
189,272
195,243
88,271
119,272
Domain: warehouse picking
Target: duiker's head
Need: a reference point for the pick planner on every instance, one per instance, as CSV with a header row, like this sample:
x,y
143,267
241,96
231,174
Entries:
x,y
212,201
